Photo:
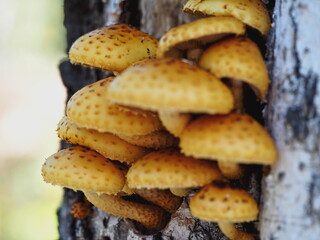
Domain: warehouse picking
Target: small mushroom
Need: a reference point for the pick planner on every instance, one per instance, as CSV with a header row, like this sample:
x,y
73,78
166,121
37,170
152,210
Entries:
x,y
168,168
156,140
233,138
190,38
112,48
89,108
226,206
150,216
107,144
238,59
81,209
79,168
169,84
252,12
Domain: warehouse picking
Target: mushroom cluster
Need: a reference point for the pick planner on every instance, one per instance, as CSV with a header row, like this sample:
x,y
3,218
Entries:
x,y
171,121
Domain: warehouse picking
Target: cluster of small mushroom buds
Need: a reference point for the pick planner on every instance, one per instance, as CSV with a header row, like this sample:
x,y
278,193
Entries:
x,y
164,124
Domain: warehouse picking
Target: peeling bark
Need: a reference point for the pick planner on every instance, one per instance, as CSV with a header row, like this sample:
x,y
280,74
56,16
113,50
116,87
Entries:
x,y
291,201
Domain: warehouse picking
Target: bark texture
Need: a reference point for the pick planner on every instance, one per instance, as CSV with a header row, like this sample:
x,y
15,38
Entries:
x,y
291,201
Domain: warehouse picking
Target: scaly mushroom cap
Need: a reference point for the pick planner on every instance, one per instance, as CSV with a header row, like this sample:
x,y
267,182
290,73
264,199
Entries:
x,y
234,138
196,34
172,85
155,140
239,59
169,168
252,12
89,108
79,168
174,122
162,198
112,48
107,144
149,215
222,203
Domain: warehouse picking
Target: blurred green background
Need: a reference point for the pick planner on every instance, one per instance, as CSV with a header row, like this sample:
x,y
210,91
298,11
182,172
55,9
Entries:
x,y
31,104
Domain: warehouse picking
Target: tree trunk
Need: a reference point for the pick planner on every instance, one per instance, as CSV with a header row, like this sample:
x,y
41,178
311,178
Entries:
x,y
291,201
154,17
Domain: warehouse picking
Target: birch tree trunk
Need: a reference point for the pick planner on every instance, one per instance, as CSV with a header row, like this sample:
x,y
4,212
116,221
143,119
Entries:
x,y
291,201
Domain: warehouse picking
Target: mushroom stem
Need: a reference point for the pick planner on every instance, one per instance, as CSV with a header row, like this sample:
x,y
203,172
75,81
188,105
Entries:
x,y
231,170
237,91
234,170
194,54
181,192
233,233
174,121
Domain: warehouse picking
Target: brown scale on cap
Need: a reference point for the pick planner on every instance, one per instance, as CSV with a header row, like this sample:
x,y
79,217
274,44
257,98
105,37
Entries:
x,y
236,138
162,198
107,144
89,108
112,48
226,206
79,168
252,12
149,215
197,34
238,59
169,168
172,85
156,140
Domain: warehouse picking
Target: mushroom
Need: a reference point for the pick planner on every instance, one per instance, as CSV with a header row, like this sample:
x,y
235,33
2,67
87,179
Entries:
x,y
112,48
107,144
252,12
170,84
191,37
149,215
233,138
89,108
156,140
81,209
238,59
226,206
162,198
168,168
79,168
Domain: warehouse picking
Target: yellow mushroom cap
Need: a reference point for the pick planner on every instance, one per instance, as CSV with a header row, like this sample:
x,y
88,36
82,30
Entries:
x,y
112,48
89,108
239,59
196,34
169,168
252,12
155,140
149,215
222,203
172,85
234,138
79,168
107,144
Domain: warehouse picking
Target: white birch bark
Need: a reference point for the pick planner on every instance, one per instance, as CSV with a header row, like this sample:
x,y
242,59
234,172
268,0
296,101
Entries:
x,y
291,199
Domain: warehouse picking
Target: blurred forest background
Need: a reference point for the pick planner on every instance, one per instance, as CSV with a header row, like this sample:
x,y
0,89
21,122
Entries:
x,y
32,101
